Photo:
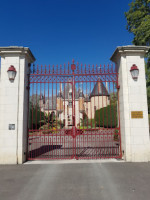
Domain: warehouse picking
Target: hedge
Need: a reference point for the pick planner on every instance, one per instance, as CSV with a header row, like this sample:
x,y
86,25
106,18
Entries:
x,y
107,117
35,116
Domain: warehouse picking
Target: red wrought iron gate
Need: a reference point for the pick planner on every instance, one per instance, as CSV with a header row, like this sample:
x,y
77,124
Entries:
x,y
73,112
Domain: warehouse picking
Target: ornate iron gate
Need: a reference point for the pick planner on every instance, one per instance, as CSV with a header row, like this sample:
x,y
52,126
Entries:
x,y
73,112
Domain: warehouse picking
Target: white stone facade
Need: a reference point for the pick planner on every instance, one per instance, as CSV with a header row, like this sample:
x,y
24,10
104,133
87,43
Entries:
x,y
133,97
14,104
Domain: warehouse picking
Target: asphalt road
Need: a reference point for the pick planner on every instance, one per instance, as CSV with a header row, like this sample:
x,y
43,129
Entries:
x,y
91,181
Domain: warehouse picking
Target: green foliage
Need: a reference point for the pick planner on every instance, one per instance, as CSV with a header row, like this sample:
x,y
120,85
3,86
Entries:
x,y
35,116
138,23
87,123
50,119
107,117
84,121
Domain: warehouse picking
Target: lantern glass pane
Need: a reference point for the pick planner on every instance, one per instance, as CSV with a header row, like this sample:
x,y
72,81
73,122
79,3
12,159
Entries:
x,y
135,73
11,75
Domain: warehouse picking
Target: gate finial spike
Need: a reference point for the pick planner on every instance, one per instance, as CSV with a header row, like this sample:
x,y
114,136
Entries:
x,y
73,61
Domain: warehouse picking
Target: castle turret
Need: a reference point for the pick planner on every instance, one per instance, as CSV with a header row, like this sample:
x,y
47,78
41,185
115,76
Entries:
x,y
60,102
81,102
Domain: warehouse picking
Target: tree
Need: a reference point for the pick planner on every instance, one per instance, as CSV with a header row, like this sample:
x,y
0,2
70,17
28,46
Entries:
x,y
138,23
35,116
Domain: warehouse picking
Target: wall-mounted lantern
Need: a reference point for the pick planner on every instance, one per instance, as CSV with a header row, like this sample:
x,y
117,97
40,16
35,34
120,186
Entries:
x,y
11,73
134,72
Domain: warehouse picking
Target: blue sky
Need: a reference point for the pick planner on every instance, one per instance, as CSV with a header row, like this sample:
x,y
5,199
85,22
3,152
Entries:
x,y
57,31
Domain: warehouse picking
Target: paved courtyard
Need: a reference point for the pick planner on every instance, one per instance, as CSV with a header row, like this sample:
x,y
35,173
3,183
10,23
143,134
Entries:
x,y
75,181
92,144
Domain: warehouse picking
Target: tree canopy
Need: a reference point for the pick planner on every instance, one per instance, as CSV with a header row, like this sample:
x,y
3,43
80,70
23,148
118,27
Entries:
x,y
138,23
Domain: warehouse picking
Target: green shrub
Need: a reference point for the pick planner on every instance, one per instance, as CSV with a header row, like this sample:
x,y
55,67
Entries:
x,y
107,117
35,116
87,123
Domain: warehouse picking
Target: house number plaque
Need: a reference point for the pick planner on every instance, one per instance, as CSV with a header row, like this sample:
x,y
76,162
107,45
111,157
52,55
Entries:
x,y
136,114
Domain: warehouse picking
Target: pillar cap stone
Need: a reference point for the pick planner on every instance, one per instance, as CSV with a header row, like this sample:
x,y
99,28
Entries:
x,y
18,50
129,49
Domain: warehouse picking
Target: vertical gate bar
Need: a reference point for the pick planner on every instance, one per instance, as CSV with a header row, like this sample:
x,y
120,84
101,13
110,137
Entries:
x,y
64,106
87,109
95,82
33,110
93,124
98,113
111,127
115,111
104,143
41,103
103,107
73,111
90,133
83,114
52,102
64,118
99,91
48,110
56,99
114,107
78,87
44,111
57,146
36,115
116,118
107,112
83,105
36,106
32,103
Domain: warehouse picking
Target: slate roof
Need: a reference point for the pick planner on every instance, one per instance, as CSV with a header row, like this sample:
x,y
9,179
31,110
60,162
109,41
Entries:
x,y
50,103
101,91
66,91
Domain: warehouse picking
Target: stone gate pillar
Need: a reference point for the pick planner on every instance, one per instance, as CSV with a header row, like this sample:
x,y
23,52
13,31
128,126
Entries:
x,y
133,103
14,104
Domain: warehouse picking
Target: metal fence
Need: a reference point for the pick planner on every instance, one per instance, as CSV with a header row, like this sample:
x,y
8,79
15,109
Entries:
x,y
73,112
